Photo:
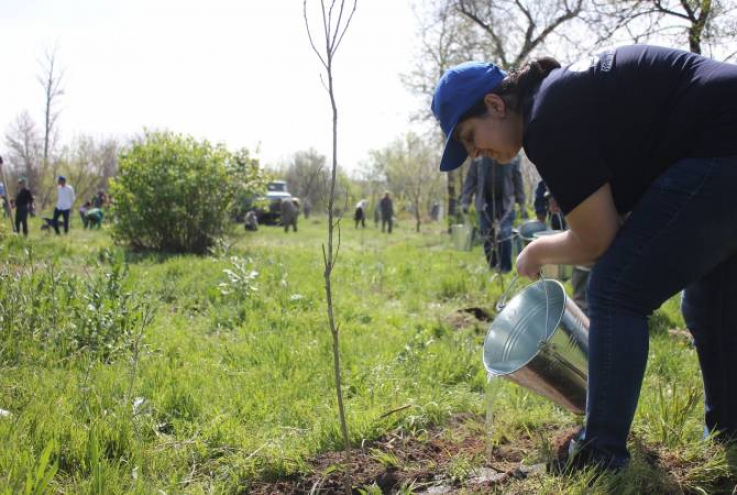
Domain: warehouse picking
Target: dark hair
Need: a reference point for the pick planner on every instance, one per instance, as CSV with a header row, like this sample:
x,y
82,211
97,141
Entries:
x,y
517,85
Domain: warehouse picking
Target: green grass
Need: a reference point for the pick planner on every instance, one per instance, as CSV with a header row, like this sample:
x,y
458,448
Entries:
x,y
230,382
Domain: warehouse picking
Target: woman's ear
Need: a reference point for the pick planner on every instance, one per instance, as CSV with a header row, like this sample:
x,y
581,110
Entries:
x,y
495,105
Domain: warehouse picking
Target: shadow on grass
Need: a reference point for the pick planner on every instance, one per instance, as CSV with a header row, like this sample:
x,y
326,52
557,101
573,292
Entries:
x,y
701,467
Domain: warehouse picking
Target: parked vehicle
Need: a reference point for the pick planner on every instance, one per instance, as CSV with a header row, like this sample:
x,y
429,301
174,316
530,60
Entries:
x,y
267,207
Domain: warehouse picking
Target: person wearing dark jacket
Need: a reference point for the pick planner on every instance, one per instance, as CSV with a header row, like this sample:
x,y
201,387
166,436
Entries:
x,y
23,206
546,207
637,145
495,189
289,213
387,212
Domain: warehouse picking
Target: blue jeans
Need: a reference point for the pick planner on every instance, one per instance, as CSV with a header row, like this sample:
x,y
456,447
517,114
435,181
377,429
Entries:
x,y
497,249
681,234
65,216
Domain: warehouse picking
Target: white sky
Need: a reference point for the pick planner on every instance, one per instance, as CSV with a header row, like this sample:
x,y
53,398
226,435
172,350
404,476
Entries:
x,y
235,71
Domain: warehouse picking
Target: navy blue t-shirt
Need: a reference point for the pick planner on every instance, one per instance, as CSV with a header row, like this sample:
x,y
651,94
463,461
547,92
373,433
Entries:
x,y
624,117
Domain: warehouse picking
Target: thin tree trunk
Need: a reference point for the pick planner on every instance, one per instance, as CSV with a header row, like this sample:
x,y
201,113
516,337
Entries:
x,y
332,41
328,289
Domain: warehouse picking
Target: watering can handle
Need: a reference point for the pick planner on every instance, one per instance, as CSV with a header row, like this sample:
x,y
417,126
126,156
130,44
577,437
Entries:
x,y
502,302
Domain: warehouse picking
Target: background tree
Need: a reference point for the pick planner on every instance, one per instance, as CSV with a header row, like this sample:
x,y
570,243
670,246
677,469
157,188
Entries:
x,y
308,177
89,164
248,179
446,40
411,173
50,79
701,26
25,150
370,180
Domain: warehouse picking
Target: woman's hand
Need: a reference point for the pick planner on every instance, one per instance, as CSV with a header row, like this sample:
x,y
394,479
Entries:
x,y
527,262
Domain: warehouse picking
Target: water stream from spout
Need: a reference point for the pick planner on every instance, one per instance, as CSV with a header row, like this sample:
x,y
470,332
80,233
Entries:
x,y
492,390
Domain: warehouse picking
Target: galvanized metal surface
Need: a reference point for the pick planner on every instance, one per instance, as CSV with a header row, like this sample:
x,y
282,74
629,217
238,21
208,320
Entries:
x,y
560,272
546,357
527,229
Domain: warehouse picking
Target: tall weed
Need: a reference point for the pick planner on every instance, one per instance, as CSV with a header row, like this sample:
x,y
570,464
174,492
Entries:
x,y
48,312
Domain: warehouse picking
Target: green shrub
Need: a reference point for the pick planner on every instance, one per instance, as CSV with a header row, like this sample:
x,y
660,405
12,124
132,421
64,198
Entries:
x,y
47,312
174,193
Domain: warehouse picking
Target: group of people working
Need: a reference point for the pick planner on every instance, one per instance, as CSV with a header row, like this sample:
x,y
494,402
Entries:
x,y
384,213
91,212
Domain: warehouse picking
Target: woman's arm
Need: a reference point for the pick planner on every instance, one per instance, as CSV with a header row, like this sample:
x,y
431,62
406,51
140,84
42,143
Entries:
x,y
593,225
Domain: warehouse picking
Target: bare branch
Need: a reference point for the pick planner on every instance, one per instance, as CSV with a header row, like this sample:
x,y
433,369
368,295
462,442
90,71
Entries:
x,y
497,41
326,32
688,9
660,8
347,23
309,36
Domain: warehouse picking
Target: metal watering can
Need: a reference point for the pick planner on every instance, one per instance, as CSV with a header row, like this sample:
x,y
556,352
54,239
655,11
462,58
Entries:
x,y
527,230
539,340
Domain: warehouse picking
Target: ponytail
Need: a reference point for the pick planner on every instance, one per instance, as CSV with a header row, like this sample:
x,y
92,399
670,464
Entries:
x,y
517,85
520,83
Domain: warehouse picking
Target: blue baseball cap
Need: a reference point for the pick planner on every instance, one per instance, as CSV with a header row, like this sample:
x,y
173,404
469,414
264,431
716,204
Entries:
x,y
460,88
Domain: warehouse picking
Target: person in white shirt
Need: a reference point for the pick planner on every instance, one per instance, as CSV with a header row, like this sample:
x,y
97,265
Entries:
x,y
360,214
64,201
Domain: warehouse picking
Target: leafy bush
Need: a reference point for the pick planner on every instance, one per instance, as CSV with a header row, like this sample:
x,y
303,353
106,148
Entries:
x,y
174,193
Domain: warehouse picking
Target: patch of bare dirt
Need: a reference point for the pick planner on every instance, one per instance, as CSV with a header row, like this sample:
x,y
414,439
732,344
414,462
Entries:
x,y
399,459
473,317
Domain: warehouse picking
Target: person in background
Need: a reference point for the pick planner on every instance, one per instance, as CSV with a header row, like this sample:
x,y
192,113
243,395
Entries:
x,y
251,221
307,208
83,212
435,211
93,218
637,144
289,214
387,212
360,214
100,199
64,201
546,207
4,200
23,206
495,188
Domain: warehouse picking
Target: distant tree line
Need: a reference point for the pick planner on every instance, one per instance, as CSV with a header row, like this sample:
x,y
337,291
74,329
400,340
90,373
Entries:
x,y
35,152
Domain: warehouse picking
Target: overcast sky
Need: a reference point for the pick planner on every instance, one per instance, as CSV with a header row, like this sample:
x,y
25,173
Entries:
x,y
235,71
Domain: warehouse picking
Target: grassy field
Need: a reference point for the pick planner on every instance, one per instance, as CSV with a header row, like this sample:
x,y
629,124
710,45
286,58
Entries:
x,y
143,373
